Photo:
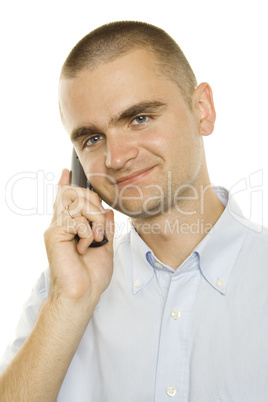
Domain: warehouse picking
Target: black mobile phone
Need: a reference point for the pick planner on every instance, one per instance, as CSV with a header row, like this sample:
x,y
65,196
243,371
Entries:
x,y
79,179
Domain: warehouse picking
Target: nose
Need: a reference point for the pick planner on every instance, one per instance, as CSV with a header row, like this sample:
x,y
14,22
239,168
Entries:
x,y
120,150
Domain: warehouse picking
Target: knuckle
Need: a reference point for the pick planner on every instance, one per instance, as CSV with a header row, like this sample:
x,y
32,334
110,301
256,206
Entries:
x,y
102,219
81,203
83,229
71,226
70,193
94,198
81,219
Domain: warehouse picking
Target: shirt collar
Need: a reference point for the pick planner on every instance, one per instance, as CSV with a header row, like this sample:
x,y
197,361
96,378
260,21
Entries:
x,y
219,249
217,252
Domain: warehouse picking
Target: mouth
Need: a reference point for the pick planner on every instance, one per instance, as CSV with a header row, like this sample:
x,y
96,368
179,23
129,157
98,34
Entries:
x,y
134,177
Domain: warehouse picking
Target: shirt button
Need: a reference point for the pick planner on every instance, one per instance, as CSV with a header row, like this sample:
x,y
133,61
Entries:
x,y
137,283
220,283
175,314
158,265
171,391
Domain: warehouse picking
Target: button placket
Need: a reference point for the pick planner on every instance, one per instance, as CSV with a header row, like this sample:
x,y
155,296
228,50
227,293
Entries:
x,y
175,336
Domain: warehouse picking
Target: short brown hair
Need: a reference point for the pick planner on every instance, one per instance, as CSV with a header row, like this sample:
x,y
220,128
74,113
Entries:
x,y
115,39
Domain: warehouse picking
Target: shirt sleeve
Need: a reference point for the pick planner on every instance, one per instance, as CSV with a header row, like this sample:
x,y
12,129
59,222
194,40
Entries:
x,y
28,318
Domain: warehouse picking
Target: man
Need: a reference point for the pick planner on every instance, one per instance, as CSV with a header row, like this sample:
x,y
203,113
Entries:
x,y
176,308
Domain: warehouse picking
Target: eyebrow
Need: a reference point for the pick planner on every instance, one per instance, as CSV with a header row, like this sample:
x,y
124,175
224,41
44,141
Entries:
x,y
132,111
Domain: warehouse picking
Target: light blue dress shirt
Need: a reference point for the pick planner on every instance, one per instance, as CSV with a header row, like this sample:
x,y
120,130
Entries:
x,y
197,334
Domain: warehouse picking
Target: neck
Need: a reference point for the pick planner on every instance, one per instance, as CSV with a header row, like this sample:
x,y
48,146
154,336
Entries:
x,y
173,235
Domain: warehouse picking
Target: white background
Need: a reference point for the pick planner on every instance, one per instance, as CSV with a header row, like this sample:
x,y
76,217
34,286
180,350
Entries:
x,y
226,44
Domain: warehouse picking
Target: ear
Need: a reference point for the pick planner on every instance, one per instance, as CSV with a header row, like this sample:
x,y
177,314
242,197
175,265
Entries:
x,y
204,107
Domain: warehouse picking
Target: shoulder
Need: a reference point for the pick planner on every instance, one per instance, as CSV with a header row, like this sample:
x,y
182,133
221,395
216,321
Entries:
x,y
255,247
255,233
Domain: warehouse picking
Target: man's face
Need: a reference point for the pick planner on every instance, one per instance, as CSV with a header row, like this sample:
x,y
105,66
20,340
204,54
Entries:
x,y
137,140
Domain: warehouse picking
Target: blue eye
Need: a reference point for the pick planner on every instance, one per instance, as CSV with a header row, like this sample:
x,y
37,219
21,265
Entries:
x,y
93,140
140,120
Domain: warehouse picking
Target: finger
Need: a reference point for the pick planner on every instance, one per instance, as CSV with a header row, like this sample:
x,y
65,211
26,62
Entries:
x,y
97,228
109,225
71,195
86,210
84,206
65,178
76,199
87,234
63,181
82,229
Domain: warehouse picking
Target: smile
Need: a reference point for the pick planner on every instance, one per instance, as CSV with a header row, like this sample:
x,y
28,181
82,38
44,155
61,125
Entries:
x,y
134,177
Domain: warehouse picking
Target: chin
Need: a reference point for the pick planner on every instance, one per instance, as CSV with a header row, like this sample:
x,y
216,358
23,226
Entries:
x,y
140,210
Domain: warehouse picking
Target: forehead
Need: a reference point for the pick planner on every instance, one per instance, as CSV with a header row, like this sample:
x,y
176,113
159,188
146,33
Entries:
x,y
112,87
133,65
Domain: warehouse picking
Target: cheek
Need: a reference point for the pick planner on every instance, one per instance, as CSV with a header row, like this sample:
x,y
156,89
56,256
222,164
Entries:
x,y
181,145
156,140
99,178
93,167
